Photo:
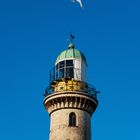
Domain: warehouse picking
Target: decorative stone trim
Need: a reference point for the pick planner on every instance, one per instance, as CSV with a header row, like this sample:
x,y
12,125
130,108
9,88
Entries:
x,y
72,100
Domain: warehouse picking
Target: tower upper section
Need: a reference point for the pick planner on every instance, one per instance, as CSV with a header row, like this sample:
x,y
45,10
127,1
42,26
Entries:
x,y
69,74
70,64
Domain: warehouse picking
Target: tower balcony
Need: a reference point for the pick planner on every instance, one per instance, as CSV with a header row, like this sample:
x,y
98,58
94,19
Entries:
x,y
70,94
71,86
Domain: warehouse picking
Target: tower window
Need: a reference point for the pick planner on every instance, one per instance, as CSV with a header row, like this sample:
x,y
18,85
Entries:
x,y
69,62
61,64
72,119
69,73
69,69
64,69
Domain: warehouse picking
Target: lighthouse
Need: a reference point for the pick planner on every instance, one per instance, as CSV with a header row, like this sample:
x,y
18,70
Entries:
x,y
69,99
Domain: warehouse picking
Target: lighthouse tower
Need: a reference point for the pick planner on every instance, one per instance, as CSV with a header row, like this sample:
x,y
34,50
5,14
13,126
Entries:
x,y
69,99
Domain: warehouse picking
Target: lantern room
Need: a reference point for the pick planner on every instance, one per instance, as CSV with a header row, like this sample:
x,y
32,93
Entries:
x,y
70,64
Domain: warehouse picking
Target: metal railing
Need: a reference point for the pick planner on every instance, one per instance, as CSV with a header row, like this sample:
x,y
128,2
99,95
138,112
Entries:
x,y
79,86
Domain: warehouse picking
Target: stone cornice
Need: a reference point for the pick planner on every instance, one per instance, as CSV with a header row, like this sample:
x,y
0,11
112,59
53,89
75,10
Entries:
x,y
74,100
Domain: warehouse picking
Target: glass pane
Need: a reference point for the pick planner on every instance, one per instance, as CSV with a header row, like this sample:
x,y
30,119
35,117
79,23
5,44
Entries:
x,y
61,64
61,73
69,62
72,119
70,73
56,75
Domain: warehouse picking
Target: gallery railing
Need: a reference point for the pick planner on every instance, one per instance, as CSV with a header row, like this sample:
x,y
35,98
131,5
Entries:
x,y
79,86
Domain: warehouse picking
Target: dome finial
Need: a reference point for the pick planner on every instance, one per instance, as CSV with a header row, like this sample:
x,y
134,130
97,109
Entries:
x,y
71,45
72,37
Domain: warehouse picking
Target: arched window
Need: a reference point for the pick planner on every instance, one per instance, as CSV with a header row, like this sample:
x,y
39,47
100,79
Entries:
x,y
72,119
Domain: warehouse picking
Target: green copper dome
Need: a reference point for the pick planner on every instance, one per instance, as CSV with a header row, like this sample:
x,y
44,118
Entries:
x,y
71,53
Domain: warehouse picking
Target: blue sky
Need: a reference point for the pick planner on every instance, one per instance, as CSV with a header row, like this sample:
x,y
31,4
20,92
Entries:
x,y
34,32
